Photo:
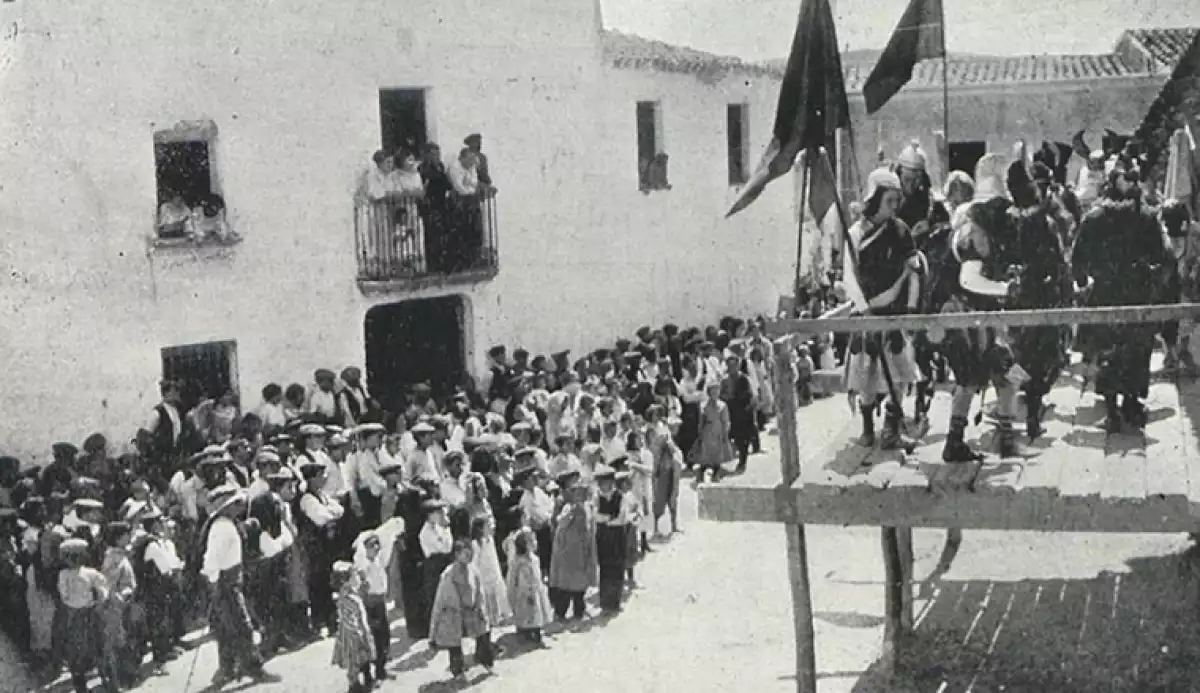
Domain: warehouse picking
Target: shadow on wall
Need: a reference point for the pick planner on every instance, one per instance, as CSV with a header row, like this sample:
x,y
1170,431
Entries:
x,y
1135,631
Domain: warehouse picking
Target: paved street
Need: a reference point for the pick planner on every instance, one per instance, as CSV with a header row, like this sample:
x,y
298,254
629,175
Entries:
x,y
1018,612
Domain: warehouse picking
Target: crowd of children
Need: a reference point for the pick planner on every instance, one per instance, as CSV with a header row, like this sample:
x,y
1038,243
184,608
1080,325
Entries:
x,y
504,506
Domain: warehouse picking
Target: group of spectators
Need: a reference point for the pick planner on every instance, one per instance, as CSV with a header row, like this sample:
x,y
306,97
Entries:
x,y
552,480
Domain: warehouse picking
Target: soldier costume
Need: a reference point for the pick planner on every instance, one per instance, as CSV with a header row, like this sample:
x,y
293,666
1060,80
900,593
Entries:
x,y
929,219
1122,249
1042,225
884,282
983,247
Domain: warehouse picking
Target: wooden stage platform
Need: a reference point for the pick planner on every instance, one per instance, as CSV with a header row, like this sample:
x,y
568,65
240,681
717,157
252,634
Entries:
x,y
1075,478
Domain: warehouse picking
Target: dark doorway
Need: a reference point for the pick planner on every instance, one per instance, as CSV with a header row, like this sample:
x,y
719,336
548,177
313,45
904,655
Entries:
x,y
402,119
412,342
964,156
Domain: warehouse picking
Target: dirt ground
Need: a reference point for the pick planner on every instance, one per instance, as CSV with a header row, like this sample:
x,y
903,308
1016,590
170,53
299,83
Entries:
x,y
1017,612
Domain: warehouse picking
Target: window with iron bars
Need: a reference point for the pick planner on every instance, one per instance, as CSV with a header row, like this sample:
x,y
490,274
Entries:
x,y
203,371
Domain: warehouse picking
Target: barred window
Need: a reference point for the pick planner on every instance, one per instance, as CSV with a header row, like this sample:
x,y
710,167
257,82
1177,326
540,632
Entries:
x,y
203,371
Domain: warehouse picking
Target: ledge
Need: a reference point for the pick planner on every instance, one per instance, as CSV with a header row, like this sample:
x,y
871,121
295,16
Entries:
x,y
179,251
427,281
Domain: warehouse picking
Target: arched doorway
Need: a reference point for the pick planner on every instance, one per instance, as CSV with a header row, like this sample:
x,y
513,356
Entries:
x,y
409,342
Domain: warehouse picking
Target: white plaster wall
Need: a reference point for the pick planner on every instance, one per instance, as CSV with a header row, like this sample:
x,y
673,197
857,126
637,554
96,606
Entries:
x,y
293,89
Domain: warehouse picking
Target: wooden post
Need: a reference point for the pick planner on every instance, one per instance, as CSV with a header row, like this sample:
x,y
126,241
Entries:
x,y
897,596
789,447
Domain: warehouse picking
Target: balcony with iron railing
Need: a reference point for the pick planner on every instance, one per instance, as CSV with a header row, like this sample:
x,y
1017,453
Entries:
x,y
411,241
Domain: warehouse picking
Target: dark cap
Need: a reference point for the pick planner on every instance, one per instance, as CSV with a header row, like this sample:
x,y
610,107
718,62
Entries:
x,y
64,450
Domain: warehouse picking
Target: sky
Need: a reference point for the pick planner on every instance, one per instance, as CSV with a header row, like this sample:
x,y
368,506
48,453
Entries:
x,y
761,29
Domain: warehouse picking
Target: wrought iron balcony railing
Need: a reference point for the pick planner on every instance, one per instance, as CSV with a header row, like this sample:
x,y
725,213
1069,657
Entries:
x,y
413,237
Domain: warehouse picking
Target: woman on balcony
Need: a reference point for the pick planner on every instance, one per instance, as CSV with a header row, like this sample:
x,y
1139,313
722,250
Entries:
x,y
410,191
382,204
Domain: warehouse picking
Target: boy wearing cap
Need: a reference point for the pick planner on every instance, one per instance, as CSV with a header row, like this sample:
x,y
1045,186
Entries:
x,y
82,591
363,476
157,568
612,545
420,464
318,518
322,406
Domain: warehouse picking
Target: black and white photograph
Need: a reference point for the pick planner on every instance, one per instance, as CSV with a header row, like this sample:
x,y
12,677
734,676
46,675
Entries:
x,y
639,346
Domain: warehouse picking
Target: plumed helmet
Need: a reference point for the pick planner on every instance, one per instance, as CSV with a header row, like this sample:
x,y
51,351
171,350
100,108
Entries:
x,y
912,157
881,178
989,177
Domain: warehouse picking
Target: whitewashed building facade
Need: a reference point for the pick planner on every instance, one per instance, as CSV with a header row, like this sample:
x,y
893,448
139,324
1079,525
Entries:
x,y
286,102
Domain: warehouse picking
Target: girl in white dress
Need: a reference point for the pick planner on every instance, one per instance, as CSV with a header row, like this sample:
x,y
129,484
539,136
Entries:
x,y
487,562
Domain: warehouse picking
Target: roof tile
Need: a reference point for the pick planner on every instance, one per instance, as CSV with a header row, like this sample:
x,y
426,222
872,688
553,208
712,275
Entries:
x,y
1164,45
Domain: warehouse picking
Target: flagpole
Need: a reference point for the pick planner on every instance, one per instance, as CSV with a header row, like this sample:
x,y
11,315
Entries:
x,y
805,163
945,95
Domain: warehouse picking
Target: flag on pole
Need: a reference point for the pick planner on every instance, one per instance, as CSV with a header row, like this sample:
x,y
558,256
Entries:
x,y
812,104
919,36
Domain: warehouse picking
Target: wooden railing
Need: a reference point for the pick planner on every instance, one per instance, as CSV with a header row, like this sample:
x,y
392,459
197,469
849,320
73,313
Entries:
x,y
414,237
1105,315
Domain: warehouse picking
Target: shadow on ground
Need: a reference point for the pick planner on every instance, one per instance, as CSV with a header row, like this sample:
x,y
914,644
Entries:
x,y
1133,631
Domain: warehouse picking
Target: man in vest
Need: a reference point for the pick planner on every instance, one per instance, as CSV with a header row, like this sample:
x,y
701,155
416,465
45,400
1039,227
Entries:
x,y
166,432
355,404
222,567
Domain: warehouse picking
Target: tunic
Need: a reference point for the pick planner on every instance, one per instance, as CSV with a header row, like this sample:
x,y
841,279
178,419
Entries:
x,y
882,253
985,233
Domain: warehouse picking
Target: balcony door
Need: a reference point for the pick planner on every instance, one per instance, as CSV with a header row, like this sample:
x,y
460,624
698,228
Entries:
x,y
403,119
412,342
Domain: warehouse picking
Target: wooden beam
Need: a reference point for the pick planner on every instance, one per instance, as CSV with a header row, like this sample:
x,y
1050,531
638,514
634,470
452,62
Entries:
x,y
947,508
1009,318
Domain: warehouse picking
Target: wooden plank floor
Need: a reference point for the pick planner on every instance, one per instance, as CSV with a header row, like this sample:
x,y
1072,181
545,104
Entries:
x,y
1074,478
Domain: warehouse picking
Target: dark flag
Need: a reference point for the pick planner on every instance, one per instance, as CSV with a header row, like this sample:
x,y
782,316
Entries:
x,y
812,105
919,36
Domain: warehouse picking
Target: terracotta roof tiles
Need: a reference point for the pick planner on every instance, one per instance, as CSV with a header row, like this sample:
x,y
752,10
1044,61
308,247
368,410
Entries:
x,y
1163,45
1166,46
